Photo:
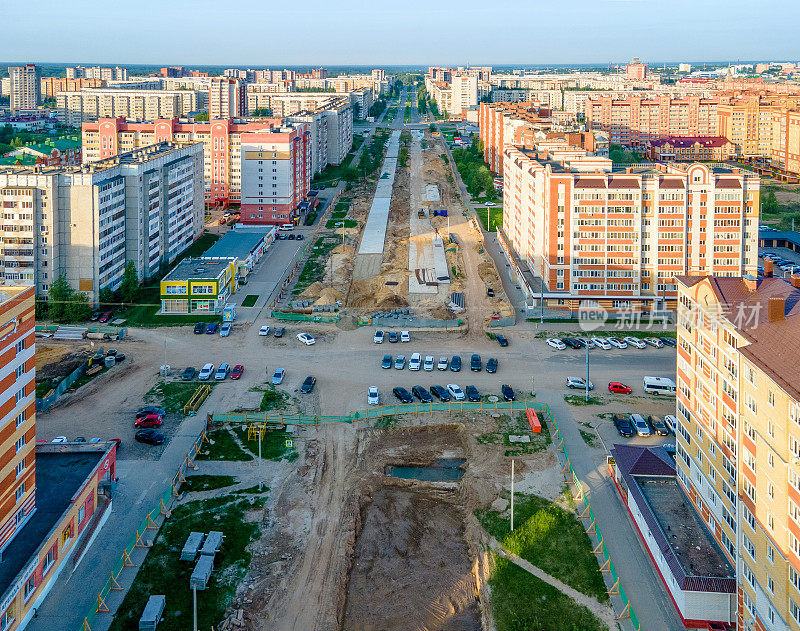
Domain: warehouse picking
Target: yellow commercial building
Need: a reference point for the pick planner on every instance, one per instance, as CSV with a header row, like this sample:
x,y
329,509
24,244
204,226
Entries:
x,y
198,286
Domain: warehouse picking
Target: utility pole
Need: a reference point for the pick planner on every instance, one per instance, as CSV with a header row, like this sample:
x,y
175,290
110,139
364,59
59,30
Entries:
x,y
587,369
512,497
260,440
194,599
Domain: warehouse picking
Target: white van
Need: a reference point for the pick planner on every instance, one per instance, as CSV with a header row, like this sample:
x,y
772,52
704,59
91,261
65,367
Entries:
x,y
415,361
658,385
287,227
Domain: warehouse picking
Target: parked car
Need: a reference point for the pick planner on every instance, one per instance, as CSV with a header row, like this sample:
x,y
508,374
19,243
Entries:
x,y
624,426
105,316
658,425
508,392
489,204
472,393
291,236
149,437
440,393
59,439
556,343
79,439
588,343
264,330
373,396
635,342
429,363
578,383
490,292
400,362
189,374
653,341
491,365
225,329
199,328
572,342
237,371
475,363
280,331
600,342
422,394
443,362
308,384
415,361
223,370
378,337
212,328
150,420
641,426
306,339
455,363
501,339
300,237
672,422
456,392
386,362
205,372
618,343
402,394
394,337
149,409
278,376
669,341
618,388
405,336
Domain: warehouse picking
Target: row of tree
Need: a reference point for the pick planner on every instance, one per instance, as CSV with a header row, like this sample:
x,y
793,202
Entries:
x,y
477,177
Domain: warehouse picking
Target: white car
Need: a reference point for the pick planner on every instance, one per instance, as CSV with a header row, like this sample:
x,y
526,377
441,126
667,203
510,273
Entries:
x,y
428,365
642,427
635,341
654,341
601,342
442,365
671,422
415,361
264,330
222,372
589,343
490,204
405,336
378,337
578,383
617,342
373,396
455,392
306,339
556,343
205,372
59,439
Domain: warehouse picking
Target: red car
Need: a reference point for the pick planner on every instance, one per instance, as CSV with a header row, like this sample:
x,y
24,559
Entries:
x,y
619,388
237,371
105,317
151,420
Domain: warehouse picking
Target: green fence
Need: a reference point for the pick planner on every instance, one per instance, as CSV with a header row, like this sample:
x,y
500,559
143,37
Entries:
x,y
306,317
586,513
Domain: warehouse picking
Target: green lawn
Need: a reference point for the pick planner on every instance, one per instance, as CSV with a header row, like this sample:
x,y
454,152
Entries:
x,y
202,482
162,571
551,538
495,217
522,602
348,223
274,399
518,425
224,448
315,265
249,300
173,395
273,445
580,399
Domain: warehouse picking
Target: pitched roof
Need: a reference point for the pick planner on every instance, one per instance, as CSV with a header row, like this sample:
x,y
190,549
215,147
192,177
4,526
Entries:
x,y
671,182
623,182
583,182
682,142
643,461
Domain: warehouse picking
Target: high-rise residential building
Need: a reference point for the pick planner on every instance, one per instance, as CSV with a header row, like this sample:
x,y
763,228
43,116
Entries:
x,y
378,74
636,69
785,151
464,93
51,86
618,236
319,73
89,104
330,137
738,433
276,176
362,100
499,123
226,98
97,72
25,87
88,222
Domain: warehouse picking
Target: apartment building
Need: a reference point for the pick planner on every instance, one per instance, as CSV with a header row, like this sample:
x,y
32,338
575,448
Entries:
x,y
636,120
24,87
785,151
51,86
464,93
738,438
636,69
618,236
222,144
87,222
226,98
276,174
362,99
713,149
90,104
499,124
97,72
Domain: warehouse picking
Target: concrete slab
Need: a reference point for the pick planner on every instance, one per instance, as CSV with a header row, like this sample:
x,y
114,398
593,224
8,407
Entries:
x,y
367,266
432,193
422,279
374,236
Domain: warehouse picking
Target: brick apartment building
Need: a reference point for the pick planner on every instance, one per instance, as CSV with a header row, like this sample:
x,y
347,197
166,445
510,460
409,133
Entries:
x,y
619,235
713,149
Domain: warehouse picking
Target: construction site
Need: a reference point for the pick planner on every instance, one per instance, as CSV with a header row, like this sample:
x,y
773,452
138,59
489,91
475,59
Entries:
x,y
411,245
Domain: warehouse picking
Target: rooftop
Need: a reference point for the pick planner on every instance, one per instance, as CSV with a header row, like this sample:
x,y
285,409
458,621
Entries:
x,y
237,244
59,476
196,269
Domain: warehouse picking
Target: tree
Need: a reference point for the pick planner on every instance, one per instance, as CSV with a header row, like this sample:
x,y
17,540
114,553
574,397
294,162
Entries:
x,y
431,128
129,289
78,309
107,296
202,116
770,203
41,308
58,296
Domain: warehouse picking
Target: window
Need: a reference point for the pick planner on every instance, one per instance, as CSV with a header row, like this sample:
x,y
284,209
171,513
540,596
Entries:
x,y
748,545
30,586
19,468
20,492
8,617
19,444
49,559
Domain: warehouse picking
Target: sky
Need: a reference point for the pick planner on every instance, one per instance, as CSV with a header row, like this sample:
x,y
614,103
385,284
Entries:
x,y
260,33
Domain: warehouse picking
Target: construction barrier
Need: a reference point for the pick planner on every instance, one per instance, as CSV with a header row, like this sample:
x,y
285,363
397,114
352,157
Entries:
x,y
149,523
593,530
196,400
306,317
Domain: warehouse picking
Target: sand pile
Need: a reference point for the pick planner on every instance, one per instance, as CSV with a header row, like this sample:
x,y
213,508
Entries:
x,y
313,290
329,296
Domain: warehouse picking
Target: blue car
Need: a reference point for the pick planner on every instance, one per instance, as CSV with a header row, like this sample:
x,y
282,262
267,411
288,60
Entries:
x,y
225,330
212,328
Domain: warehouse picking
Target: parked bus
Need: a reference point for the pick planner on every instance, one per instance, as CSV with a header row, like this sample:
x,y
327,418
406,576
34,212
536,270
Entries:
x,y
658,385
